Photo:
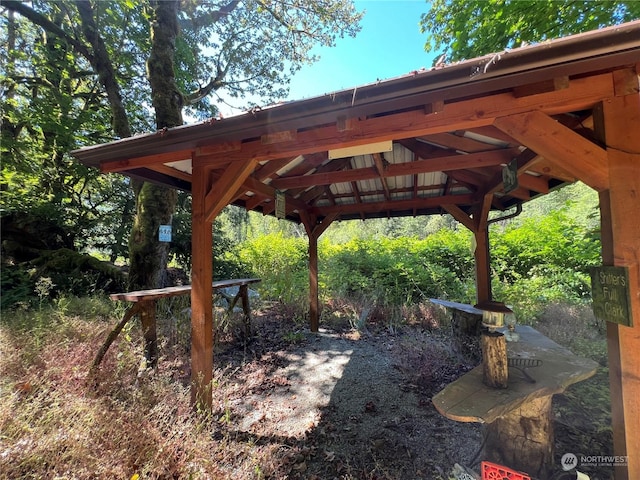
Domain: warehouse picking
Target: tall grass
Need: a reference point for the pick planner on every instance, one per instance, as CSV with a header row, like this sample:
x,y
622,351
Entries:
x,y
55,424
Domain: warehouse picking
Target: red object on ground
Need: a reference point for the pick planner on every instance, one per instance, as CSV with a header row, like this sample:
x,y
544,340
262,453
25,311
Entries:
x,y
492,471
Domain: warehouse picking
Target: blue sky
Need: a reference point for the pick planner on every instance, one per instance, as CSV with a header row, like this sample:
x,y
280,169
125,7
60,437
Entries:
x,y
389,45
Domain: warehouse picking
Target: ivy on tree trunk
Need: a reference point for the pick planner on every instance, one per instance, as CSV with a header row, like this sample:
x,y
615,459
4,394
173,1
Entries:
x,y
155,204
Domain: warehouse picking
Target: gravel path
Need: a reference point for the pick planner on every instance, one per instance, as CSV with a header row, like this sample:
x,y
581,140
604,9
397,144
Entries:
x,y
354,406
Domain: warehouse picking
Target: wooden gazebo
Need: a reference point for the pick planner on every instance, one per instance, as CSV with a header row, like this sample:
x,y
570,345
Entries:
x,y
448,139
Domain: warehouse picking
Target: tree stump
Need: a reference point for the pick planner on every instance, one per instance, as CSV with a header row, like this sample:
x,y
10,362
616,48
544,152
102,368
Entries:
x,y
494,359
523,439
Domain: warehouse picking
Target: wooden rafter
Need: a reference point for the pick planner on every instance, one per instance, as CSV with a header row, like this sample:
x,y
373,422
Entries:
x,y
225,188
450,163
379,163
559,145
367,207
467,114
144,161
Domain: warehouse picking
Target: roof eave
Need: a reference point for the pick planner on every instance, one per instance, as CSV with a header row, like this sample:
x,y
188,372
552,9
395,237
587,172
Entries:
x,y
575,55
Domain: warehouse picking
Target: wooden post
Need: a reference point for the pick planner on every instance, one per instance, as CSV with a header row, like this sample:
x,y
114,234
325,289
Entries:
x,y
481,254
621,247
494,359
480,228
246,309
523,439
314,302
483,267
314,230
201,293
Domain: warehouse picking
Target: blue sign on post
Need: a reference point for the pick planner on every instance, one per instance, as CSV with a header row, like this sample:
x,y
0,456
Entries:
x,y
164,234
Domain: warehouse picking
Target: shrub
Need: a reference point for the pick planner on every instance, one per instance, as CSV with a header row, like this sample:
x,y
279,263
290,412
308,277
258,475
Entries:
x,y
397,271
282,265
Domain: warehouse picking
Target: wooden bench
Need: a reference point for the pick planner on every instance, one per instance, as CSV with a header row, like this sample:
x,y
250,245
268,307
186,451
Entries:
x,y
144,305
519,421
466,323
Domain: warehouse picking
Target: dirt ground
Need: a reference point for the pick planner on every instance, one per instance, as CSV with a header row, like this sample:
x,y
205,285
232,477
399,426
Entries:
x,y
356,404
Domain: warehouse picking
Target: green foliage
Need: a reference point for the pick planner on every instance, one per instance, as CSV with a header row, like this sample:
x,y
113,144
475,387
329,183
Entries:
x,y
541,260
535,260
466,29
73,74
541,243
399,271
16,286
281,263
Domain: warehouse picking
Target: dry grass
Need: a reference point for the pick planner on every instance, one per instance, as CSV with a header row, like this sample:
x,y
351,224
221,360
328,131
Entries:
x,y
54,425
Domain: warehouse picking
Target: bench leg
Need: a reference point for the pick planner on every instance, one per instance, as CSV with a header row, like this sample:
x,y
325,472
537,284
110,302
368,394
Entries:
x,y
523,440
148,320
244,293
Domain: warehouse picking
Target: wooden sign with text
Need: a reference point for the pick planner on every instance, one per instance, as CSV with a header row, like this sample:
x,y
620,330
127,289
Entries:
x,y
610,293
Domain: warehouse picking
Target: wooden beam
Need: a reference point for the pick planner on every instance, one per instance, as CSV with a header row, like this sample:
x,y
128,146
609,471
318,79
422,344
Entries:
x,y
544,167
380,168
314,230
425,150
481,212
626,82
458,142
467,114
267,191
460,215
394,205
279,137
455,162
314,301
224,190
481,253
265,171
550,85
621,247
533,183
337,165
137,162
559,145
171,172
434,107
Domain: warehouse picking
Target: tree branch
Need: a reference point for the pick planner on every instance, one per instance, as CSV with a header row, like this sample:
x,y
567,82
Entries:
x,y
212,17
104,68
48,25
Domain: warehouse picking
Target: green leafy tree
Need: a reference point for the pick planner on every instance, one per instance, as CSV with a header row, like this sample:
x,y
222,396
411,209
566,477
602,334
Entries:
x,y
193,49
464,29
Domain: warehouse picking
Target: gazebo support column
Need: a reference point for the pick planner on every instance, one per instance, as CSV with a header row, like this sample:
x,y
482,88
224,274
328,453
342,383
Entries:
x,y
314,230
314,302
201,293
621,247
479,226
481,254
483,267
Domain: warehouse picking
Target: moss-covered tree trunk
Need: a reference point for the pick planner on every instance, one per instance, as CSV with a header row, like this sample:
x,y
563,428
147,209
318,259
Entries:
x,y
154,204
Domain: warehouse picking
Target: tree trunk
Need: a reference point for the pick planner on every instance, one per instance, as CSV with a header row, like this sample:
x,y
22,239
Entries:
x,y
104,68
154,204
495,371
523,439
